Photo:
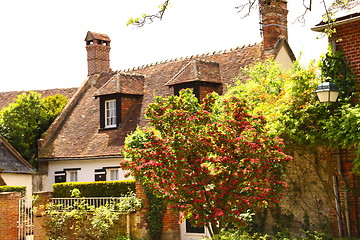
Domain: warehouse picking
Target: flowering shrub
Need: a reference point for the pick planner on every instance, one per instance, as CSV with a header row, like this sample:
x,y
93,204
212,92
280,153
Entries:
x,y
212,161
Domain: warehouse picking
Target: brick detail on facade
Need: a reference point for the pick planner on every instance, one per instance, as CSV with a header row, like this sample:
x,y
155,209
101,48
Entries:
x,y
274,22
128,103
171,226
9,215
98,57
209,88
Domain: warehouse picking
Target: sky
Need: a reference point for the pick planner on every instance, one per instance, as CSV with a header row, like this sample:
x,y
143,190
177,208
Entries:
x,y
42,41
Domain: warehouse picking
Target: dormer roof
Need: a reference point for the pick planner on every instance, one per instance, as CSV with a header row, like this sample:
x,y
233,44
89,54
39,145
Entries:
x,y
123,83
197,71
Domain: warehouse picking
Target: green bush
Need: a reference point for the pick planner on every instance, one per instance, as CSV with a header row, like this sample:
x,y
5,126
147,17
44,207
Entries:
x,y
20,189
95,189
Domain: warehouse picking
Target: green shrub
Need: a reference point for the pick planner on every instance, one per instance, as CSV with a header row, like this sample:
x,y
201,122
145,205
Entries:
x,y
20,189
95,189
84,221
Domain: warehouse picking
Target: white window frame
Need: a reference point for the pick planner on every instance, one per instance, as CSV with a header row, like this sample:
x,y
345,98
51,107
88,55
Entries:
x,y
72,176
112,174
110,113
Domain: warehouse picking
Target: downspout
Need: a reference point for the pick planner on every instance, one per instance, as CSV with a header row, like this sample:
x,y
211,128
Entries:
x,y
337,206
346,197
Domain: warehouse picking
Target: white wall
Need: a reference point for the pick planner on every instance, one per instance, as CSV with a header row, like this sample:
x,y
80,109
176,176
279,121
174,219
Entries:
x,y
284,58
18,179
87,172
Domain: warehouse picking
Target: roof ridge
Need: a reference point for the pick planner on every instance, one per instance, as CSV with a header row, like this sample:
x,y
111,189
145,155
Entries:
x,y
39,90
188,57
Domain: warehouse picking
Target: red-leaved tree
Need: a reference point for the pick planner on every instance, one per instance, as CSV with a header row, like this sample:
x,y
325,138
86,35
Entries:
x,y
212,161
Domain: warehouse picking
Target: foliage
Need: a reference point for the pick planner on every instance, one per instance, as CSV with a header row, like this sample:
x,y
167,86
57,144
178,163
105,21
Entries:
x,y
23,122
155,215
95,189
83,221
149,18
212,161
20,189
288,101
281,235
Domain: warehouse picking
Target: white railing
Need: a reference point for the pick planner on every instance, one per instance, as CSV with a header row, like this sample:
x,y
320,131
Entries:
x,y
64,204
25,220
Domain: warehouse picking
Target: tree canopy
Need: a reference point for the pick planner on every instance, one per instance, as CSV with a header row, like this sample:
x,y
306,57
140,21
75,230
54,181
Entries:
x,y
23,122
211,160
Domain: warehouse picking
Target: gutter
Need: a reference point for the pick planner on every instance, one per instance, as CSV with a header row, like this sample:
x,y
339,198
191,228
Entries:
x,y
322,27
78,158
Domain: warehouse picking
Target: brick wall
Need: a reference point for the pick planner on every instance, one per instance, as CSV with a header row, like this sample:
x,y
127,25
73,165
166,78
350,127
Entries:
x,y
9,213
128,102
348,36
204,90
171,227
98,57
43,198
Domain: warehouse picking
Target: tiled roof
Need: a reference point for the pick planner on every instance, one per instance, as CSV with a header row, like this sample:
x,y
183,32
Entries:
x,y
9,97
341,14
11,161
75,134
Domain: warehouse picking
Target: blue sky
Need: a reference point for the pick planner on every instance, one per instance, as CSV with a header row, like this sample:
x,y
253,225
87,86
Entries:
x,y
42,41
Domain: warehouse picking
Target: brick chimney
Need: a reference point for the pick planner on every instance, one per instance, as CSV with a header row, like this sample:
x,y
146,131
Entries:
x,y
273,15
98,52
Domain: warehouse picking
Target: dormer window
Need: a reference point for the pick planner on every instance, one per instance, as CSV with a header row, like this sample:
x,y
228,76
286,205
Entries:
x,y
110,113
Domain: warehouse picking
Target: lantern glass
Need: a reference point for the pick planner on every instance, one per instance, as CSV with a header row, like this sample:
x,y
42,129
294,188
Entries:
x,y
327,92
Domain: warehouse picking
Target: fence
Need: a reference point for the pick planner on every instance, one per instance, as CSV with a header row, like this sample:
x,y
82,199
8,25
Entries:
x,y
26,219
63,204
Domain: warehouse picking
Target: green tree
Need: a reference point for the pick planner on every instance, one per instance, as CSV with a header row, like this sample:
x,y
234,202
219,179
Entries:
x,y
212,160
23,122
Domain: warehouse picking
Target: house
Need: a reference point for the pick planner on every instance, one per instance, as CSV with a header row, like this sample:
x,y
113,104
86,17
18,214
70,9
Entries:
x,y
83,143
14,169
346,39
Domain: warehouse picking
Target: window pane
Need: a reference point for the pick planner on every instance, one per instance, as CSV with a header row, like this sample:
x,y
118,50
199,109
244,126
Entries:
x,y
110,113
113,174
73,176
192,229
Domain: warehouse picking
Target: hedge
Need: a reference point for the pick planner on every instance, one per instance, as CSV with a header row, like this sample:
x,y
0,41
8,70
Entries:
x,y
21,189
95,189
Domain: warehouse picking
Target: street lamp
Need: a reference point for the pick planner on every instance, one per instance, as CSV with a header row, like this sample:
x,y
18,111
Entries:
x,y
329,91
